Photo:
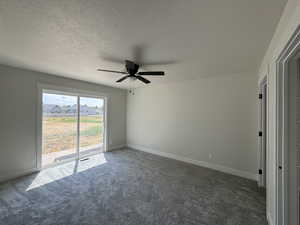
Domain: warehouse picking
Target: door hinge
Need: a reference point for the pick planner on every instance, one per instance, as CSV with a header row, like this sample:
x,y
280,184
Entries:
x,y
260,133
260,96
260,171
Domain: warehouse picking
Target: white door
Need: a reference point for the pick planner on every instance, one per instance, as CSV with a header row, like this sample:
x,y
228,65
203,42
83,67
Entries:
x,y
293,147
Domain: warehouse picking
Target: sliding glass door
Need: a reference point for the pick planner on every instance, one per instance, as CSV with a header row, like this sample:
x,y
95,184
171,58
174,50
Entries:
x,y
72,126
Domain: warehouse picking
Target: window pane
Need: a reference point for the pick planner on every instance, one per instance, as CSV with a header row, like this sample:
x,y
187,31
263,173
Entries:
x,y
91,124
59,127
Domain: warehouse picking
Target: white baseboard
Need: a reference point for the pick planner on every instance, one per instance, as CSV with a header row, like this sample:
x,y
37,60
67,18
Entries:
x,y
269,219
112,148
197,162
14,175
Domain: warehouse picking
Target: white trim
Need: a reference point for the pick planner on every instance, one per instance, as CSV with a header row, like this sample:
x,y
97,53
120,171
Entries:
x,y
269,219
17,174
105,124
71,90
116,147
78,127
263,124
224,169
39,130
281,124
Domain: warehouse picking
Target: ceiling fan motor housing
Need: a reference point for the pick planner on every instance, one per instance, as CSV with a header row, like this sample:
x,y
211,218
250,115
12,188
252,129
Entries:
x,y
131,68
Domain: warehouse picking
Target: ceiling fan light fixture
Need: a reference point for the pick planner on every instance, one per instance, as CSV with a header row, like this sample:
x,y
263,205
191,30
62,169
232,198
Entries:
x,y
132,78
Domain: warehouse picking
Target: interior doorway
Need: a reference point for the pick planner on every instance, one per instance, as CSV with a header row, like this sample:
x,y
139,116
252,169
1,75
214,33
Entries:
x,y
263,133
73,126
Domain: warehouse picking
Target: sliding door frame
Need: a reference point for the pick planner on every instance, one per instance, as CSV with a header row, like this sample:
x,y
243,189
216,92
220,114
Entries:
x,y
41,87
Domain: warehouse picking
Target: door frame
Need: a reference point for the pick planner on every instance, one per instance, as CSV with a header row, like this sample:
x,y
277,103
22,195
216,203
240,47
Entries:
x,y
263,124
41,87
282,74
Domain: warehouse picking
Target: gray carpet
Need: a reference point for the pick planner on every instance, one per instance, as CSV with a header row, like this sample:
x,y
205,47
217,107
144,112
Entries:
x,y
131,187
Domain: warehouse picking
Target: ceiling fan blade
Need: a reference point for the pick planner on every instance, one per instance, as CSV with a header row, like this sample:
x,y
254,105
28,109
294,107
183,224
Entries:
x,y
152,73
112,71
123,78
144,80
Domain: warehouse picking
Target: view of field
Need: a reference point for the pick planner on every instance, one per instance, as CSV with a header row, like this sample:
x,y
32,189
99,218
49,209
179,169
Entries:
x,y
59,133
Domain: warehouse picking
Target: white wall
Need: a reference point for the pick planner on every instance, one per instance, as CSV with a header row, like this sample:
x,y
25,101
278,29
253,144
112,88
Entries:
x,y
288,23
18,105
192,119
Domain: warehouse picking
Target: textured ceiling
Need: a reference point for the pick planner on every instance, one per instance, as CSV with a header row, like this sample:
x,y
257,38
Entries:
x,y
195,38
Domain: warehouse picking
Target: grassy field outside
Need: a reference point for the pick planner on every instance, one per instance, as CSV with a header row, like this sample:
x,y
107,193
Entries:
x,y
59,133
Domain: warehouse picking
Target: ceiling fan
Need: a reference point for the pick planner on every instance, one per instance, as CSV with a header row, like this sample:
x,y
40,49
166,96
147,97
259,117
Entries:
x,y
132,72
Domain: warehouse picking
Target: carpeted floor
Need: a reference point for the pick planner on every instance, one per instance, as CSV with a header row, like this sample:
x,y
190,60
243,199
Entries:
x,y
131,187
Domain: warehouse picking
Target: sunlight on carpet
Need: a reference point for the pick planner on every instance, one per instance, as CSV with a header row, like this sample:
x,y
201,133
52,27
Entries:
x,y
52,174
